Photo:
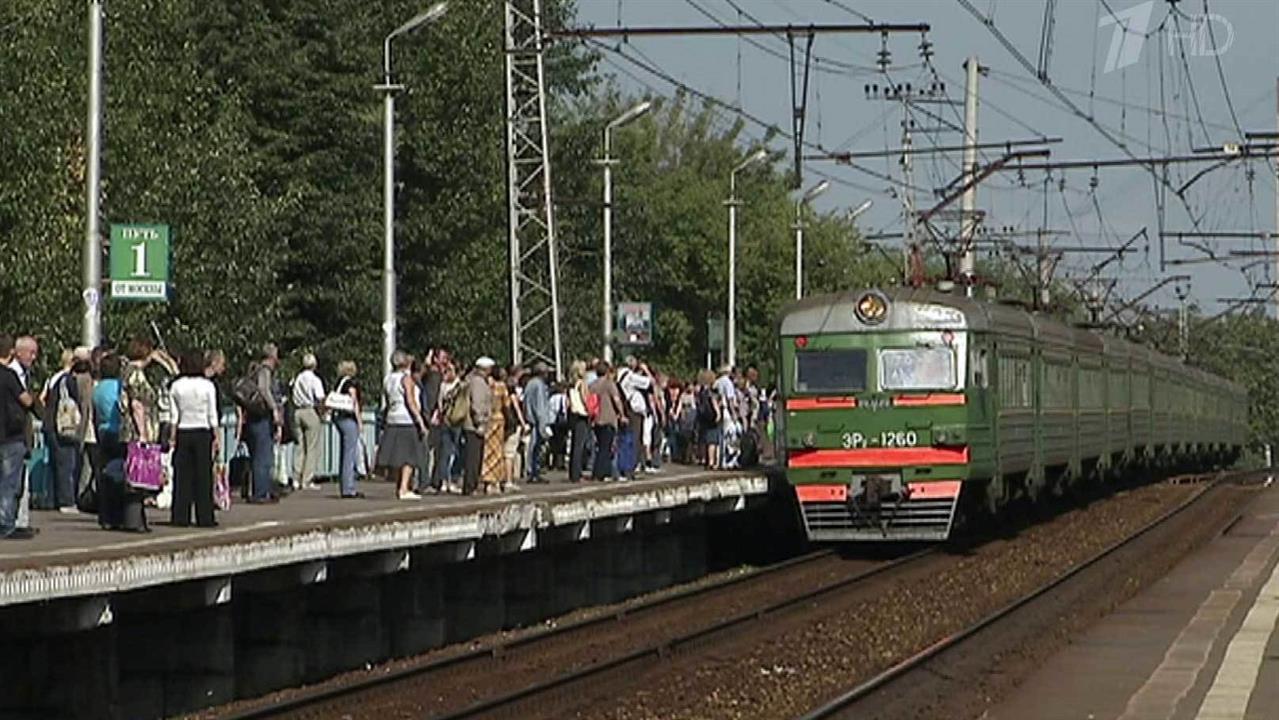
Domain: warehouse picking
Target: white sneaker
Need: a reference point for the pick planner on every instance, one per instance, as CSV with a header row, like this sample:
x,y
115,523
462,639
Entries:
x,y
410,495
69,510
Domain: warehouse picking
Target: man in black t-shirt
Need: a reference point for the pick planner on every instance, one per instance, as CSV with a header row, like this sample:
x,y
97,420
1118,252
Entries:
x,y
15,403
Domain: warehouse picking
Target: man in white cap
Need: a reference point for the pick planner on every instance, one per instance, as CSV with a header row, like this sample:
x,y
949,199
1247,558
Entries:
x,y
480,396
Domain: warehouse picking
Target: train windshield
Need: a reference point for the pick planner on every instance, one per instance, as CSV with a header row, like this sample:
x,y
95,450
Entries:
x,y
917,369
830,371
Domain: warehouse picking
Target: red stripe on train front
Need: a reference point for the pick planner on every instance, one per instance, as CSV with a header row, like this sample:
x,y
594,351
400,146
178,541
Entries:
x,y
931,490
878,457
930,400
821,493
821,403
934,490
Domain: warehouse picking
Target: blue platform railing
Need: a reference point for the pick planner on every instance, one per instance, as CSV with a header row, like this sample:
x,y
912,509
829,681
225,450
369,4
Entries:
x,y
329,446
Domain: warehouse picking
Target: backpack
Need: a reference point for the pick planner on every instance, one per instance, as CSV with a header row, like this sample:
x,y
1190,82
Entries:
x,y
592,406
460,407
706,407
246,394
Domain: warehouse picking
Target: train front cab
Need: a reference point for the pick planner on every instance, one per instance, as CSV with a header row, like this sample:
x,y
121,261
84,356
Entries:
x,y
876,417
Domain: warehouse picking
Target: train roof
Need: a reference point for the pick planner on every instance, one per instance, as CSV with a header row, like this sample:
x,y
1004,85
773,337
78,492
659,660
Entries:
x,y
929,309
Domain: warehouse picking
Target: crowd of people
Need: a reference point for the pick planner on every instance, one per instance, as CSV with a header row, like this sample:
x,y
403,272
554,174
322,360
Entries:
x,y
487,428
124,427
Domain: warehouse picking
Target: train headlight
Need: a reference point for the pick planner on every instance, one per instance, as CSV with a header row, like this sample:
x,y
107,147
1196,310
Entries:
x,y
872,308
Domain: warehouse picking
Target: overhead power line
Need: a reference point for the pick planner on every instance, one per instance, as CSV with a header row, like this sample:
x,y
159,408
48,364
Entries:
x,y
1070,105
715,103
702,30
1105,100
838,67
665,76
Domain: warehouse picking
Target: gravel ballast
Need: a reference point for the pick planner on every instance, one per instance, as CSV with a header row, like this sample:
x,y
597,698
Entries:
x,y
799,661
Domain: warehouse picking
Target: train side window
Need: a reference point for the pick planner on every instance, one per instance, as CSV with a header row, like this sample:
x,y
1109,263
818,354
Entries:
x,y
981,371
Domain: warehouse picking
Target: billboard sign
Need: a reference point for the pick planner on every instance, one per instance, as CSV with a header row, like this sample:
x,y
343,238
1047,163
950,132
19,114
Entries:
x,y
635,323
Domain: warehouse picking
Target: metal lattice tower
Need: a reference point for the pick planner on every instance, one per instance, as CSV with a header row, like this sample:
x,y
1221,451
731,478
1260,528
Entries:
x,y
535,316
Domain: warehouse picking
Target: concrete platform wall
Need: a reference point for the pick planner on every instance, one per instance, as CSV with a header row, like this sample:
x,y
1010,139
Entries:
x,y
167,650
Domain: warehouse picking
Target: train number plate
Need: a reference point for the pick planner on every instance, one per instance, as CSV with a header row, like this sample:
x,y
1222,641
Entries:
x,y
886,439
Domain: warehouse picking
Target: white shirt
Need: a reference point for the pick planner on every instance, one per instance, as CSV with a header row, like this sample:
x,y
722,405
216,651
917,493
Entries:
x,y
397,409
727,392
308,390
195,403
17,367
633,386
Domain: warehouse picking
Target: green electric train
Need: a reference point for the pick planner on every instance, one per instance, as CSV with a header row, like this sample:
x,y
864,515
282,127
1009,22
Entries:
x,y
899,408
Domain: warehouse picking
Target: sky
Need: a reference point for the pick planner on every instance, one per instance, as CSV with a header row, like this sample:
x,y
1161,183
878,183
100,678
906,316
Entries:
x,y
1155,88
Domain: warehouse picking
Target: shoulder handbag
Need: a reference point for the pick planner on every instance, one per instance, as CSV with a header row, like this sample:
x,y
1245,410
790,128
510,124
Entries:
x,y
246,393
143,466
240,471
143,469
87,501
221,487
68,415
339,400
460,411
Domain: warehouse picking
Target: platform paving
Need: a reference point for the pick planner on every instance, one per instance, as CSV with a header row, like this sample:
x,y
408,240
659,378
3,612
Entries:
x,y
73,557
1201,644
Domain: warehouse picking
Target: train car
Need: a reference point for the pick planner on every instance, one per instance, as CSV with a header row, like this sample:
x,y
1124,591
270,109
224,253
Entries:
x,y
901,406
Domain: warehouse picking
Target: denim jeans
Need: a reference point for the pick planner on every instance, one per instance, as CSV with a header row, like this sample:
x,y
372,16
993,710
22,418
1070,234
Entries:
x,y
349,450
260,436
12,464
445,442
66,468
535,445
422,474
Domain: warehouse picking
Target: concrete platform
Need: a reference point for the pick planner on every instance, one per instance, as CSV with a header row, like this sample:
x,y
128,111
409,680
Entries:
x,y
1201,644
72,557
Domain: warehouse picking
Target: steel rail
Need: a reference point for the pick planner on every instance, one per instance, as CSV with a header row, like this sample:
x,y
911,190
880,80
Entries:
x,y
663,649
839,704
319,696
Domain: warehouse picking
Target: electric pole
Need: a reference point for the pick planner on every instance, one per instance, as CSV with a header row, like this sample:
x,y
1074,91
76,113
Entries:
x,y
968,217
908,196
1276,235
1183,321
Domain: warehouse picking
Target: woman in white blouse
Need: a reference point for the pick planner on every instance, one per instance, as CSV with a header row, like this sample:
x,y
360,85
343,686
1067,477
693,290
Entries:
x,y
195,405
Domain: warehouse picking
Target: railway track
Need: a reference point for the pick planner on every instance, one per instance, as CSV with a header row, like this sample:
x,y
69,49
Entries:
x,y
555,671
848,704
699,612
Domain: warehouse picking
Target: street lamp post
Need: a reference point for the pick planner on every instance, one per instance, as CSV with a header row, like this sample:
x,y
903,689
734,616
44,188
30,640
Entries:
x,y
733,202
92,330
389,88
807,197
629,116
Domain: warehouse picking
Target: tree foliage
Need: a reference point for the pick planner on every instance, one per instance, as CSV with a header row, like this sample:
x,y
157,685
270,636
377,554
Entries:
x,y
254,130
